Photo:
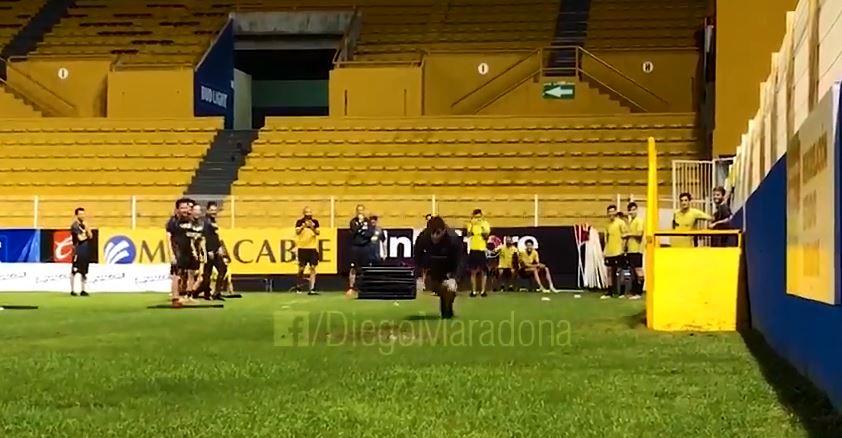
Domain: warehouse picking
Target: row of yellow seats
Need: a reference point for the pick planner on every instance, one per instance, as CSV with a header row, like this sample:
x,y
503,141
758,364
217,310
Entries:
x,y
467,45
489,187
455,36
197,124
388,186
128,177
423,156
480,123
640,43
329,138
119,41
257,172
418,29
107,51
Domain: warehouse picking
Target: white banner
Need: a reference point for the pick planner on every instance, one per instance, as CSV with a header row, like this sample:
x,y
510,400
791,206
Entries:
x,y
813,205
55,277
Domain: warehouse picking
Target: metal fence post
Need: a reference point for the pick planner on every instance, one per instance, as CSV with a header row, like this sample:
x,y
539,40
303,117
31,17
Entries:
x,y
535,212
233,211
134,212
332,211
35,202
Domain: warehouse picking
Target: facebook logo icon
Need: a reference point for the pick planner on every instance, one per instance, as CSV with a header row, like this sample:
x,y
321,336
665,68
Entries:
x,y
292,328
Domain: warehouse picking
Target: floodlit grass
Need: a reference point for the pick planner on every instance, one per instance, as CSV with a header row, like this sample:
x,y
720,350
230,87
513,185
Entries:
x,y
108,366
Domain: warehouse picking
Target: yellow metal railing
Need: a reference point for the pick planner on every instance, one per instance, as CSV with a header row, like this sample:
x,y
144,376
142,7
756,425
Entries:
x,y
50,104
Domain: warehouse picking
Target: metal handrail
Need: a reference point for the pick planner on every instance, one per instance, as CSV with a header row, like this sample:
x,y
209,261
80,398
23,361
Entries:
x,y
343,55
610,67
71,107
486,83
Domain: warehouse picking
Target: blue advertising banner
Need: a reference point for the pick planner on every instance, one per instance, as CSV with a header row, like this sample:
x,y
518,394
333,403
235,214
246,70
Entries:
x,y
20,246
213,80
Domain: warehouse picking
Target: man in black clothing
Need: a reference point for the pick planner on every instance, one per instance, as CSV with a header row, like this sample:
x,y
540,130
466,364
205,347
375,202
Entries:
x,y
360,245
439,250
217,256
721,218
81,237
180,247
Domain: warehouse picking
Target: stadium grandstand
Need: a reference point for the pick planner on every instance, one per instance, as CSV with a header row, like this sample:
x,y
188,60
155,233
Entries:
x,y
119,60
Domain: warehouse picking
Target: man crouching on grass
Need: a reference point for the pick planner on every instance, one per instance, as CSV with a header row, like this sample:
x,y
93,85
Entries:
x,y
440,250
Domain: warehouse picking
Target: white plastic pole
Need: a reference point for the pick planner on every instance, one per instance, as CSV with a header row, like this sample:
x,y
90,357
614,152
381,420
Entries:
x,y
134,212
332,211
535,212
233,211
35,202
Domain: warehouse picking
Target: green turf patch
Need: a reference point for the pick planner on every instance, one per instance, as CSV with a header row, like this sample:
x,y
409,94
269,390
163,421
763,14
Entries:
x,y
294,365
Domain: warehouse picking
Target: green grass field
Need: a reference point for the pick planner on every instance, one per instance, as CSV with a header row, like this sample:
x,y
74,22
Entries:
x,y
108,366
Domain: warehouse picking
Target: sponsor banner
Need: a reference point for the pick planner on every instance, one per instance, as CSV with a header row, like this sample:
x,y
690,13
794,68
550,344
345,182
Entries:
x,y
57,246
20,246
55,277
264,251
123,246
254,251
556,247
399,247
213,79
813,205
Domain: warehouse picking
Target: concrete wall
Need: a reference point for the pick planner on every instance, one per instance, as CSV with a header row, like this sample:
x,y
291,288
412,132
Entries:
x,y
747,32
150,93
376,91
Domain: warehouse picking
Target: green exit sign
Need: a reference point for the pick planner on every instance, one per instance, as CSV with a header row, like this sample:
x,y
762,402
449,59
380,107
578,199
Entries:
x,y
559,90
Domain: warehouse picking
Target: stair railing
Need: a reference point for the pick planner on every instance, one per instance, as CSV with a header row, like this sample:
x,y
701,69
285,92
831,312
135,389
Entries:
x,y
495,79
51,105
580,54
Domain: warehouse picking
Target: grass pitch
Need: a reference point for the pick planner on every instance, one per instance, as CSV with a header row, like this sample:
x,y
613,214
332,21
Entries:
x,y
292,365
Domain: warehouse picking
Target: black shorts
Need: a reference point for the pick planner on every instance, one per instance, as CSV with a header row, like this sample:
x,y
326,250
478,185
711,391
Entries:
x,y
360,256
185,262
506,272
81,263
615,261
635,259
477,260
308,256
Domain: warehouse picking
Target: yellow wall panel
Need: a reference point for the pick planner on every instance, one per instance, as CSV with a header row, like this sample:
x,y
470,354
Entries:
x,y
673,77
82,83
150,93
449,76
376,91
747,32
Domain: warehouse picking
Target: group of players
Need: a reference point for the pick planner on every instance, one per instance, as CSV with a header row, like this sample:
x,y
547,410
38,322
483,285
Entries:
x,y
196,250
624,238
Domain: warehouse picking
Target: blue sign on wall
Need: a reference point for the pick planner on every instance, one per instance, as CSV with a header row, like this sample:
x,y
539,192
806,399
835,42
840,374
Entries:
x,y
213,80
20,246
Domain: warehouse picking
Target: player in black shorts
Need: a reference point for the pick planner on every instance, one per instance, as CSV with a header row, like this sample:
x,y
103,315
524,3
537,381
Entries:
x,y
81,235
180,247
307,249
198,256
360,245
440,249
217,256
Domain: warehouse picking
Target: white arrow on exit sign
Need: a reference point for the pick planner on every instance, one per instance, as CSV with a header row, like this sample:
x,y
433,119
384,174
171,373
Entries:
x,y
559,91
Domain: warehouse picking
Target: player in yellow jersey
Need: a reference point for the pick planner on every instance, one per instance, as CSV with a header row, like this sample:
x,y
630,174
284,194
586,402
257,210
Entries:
x,y
477,230
686,219
531,266
507,265
307,230
614,248
634,249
